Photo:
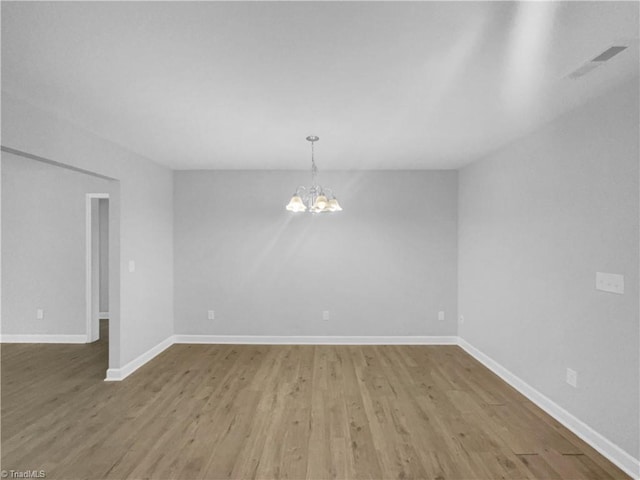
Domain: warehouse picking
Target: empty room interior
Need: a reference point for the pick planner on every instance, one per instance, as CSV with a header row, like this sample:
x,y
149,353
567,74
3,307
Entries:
x,y
320,240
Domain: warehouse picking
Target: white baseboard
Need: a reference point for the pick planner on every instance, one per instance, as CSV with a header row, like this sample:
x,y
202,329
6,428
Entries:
x,y
603,445
117,374
315,340
43,338
103,315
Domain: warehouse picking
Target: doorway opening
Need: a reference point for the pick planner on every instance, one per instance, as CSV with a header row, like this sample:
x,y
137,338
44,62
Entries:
x,y
97,273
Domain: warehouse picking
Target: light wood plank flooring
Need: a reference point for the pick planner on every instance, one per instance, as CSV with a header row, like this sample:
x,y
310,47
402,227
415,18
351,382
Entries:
x,y
267,412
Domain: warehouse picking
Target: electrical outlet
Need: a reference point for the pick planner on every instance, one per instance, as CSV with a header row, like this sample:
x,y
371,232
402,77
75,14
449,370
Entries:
x,y
325,315
211,315
441,316
132,266
610,282
40,314
461,320
572,377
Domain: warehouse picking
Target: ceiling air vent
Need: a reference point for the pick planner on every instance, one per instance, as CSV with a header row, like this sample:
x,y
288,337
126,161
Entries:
x,y
608,54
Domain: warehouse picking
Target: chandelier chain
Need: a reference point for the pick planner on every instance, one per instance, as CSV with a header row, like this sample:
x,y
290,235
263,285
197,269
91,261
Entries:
x,y
314,169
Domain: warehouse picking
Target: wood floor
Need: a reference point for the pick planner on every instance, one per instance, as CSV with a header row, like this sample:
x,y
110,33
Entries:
x,y
267,412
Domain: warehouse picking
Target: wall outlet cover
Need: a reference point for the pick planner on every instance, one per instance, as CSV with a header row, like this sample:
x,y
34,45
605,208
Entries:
x,y
610,282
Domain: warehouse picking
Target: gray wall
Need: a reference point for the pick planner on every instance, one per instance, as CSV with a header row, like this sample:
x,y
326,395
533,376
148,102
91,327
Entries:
x,y
141,303
103,213
537,220
383,266
43,246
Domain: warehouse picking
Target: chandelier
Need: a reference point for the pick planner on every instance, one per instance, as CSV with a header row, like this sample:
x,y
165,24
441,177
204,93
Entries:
x,y
316,198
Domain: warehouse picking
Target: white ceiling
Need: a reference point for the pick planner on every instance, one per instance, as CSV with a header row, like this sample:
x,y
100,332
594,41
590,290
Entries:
x,y
239,85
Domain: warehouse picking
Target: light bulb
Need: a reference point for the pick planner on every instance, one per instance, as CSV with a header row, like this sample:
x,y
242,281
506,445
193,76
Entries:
x,y
320,203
